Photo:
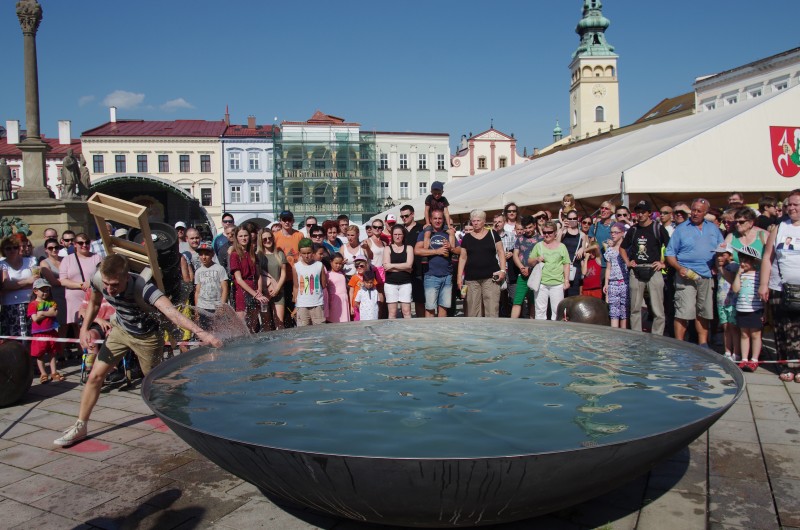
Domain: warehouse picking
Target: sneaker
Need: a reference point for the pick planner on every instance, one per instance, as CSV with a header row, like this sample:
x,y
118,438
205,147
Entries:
x,y
73,435
728,355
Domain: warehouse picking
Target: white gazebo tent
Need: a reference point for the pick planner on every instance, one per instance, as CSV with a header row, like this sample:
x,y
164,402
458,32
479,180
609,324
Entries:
x,y
706,154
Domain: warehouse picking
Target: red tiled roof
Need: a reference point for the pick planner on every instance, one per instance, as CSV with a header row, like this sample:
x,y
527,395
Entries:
x,y
54,149
194,128
320,118
262,131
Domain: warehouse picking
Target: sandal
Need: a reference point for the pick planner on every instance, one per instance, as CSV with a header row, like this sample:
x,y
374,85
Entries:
x,y
787,376
57,377
44,379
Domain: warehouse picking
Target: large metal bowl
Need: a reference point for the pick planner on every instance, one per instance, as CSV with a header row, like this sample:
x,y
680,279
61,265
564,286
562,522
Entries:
x,y
438,490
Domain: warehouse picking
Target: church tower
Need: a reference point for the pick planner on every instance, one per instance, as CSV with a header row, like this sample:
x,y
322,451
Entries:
x,y
594,90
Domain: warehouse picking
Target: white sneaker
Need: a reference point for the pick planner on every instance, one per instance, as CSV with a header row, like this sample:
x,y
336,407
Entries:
x,y
73,435
729,355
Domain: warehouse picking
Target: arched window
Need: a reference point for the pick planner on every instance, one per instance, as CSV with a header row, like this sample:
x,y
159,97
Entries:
x,y
599,114
574,118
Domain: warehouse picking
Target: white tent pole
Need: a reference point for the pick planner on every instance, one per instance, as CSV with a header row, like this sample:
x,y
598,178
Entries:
x,y
623,195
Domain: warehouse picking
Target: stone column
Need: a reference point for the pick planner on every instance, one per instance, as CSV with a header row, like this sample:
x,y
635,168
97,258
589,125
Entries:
x,y
33,148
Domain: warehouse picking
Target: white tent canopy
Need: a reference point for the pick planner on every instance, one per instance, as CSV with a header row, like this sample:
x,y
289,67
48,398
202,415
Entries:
x,y
709,152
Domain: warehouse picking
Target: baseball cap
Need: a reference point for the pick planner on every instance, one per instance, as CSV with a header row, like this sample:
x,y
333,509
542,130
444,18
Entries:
x,y
41,282
391,219
437,186
286,215
643,206
205,245
724,247
359,257
180,224
120,232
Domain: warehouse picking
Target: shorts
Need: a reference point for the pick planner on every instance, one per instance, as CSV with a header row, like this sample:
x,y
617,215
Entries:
x,y
523,291
44,348
438,292
308,316
149,348
694,298
750,319
726,314
397,293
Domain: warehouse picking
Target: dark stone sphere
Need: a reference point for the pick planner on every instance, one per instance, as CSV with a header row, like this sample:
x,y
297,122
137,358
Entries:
x,y
584,309
16,372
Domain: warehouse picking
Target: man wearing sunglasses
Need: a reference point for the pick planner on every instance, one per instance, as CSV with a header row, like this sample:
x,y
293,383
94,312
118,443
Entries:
x,y
308,223
67,243
220,239
417,282
600,232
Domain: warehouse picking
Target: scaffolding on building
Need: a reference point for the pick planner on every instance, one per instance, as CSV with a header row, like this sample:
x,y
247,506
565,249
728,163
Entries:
x,y
326,171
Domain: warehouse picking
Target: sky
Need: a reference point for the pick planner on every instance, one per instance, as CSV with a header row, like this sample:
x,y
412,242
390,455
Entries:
x,y
445,66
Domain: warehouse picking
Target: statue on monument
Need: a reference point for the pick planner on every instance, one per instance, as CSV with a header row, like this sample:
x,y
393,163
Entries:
x,y
5,181
70,176
85,181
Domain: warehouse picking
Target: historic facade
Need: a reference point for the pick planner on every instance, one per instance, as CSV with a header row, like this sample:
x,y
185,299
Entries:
x,y
247,171
184,153
485,152
56,151
749,81
409,162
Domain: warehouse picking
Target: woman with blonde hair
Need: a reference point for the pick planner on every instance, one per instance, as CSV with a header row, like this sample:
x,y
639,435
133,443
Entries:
x,y
481,267
555,271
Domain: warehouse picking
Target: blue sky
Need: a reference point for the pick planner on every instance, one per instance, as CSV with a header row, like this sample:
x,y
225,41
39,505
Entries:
x,y
425,66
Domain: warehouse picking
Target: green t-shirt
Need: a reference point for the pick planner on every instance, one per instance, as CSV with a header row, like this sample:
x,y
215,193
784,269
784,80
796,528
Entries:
x,y
554,261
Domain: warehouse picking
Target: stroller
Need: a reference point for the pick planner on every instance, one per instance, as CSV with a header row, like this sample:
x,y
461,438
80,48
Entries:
x,y
129,366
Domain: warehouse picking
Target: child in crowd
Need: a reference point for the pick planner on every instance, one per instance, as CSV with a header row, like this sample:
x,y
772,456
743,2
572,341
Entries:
x,y
567,205
211,285
749,307
361,265
616,288
726,300
437,201
43,312
592,271
310,280
366,301
338,306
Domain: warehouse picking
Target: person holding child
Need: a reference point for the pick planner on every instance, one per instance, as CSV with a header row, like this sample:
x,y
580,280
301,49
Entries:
x,y
43,312
437,201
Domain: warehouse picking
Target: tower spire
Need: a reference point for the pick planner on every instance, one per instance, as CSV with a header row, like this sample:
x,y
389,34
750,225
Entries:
x,y
591,29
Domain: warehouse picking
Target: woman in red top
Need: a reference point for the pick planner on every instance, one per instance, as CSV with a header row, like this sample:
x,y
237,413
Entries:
x,y
244,269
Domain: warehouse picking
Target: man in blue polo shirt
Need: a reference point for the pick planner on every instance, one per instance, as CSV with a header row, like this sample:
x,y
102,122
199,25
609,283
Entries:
x,y
691,253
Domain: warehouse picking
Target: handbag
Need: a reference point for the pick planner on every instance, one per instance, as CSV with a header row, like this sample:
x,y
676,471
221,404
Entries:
x,y
790,293
535,278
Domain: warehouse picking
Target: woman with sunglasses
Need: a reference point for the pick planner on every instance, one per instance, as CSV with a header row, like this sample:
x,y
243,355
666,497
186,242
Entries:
x,y
575,241
75,273
555,272
377,246
586,224
746,233
272,264
50,268
17,277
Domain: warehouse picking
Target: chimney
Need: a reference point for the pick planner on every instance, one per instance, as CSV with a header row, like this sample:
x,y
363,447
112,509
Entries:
x,y
227,116
113,111
535,151
64,132
12,131
251,122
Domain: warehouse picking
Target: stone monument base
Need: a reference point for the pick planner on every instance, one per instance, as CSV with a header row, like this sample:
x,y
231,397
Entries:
x,y
58,214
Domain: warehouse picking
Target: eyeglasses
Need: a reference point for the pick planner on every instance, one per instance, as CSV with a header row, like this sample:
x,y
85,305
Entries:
x,y
587,222
287,220
54,248
548,233
378,227
616,232
65,240
623,214
681,212
405,216
227,221
309,225
265,239
665,212
81,243
572,218
741,221
316,235
511,211
360,265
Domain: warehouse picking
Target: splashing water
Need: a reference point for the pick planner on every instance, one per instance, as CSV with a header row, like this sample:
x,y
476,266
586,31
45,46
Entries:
x,y
225,323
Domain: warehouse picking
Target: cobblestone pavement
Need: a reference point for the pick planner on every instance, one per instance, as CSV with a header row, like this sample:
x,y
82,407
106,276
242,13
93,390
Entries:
x,y
134,473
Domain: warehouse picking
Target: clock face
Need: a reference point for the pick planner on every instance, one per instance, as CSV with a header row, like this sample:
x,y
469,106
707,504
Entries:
x,y
599,91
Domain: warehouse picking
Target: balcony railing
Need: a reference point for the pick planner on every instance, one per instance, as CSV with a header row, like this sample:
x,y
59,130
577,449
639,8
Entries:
x,y
303,208
319,174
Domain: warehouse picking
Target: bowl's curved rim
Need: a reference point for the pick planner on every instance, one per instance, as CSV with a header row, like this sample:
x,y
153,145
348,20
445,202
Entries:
x,y
729,366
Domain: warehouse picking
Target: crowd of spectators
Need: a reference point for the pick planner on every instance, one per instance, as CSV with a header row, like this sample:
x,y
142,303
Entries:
x,y
687,269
